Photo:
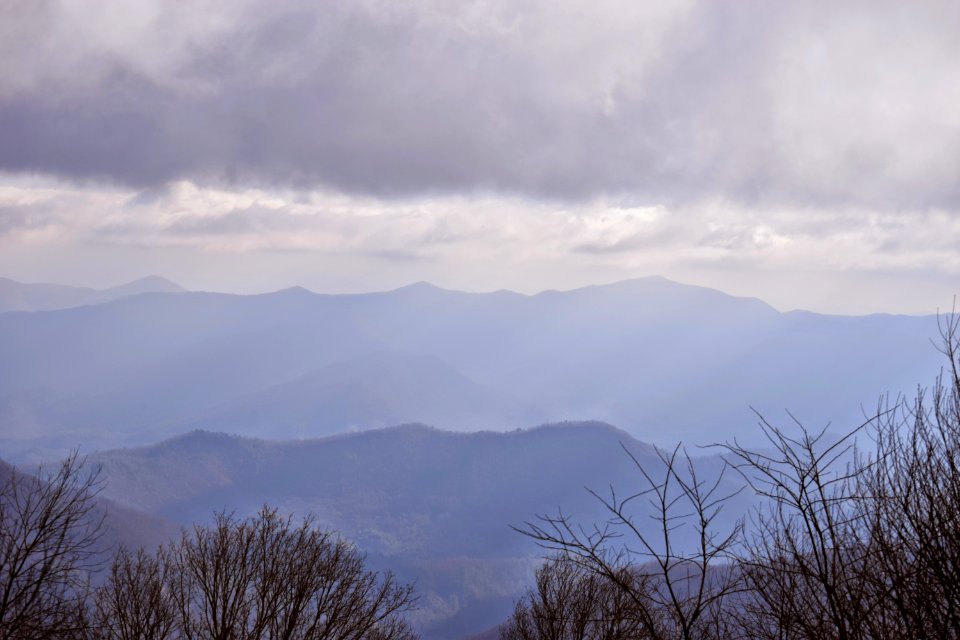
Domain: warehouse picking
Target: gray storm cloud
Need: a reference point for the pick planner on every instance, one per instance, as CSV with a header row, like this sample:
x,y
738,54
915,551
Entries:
x,y
813,103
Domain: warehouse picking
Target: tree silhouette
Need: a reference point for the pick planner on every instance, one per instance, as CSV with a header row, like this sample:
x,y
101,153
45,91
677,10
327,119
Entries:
x,y
49,530
674,592
262,577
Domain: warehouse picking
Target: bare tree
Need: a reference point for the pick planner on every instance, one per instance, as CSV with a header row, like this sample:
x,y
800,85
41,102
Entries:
x,y
49,530
570,603
851,541
675,592
860,545
259,578
809,543
912,501
135,602
316,586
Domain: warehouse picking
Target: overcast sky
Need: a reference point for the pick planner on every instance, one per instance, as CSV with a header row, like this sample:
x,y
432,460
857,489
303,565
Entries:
x,y
807,153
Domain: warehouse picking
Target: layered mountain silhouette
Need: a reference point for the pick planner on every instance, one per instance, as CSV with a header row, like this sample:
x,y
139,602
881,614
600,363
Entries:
x,y
288,398
663,360
437,506
19,296
376,390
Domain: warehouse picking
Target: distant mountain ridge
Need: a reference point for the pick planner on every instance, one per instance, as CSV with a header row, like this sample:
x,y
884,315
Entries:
x,y
663,360
20,296
375,390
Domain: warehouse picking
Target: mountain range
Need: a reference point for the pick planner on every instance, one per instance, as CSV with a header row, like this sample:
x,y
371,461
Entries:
x,y
662,360
20,296
195,402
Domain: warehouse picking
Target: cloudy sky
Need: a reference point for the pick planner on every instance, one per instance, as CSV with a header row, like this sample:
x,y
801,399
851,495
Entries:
x,y
807,153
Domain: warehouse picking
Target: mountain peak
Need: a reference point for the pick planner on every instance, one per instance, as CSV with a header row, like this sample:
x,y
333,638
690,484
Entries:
x,y
422,285
147,284
661,289
425,290
295,291
19,296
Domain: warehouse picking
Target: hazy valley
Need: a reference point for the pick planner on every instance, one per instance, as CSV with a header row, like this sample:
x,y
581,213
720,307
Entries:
x,y
407,421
